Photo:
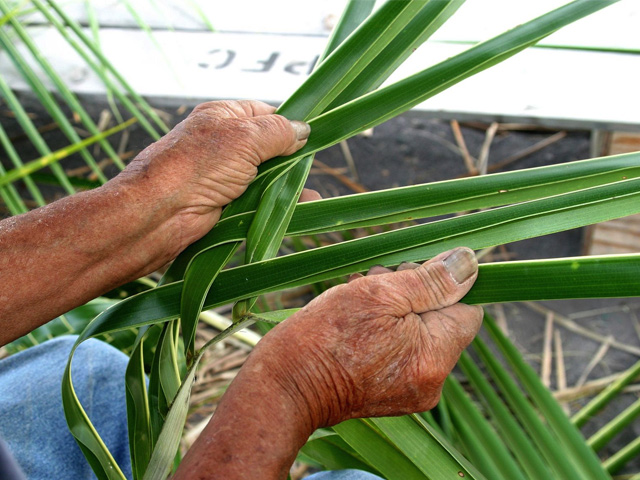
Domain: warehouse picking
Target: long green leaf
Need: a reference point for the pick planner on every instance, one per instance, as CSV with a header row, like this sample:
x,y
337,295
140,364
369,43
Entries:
x,y
486,449
618,460
367,45
169,439
575,446
420,242
140,442
513,436
562,465
32,133
9,193
143,311
97,68
377,450
103,60
381,105
428,451
357,51
420,201
333,453
47,100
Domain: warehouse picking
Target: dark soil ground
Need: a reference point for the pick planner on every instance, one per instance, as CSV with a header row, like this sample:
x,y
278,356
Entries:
x,y
411,150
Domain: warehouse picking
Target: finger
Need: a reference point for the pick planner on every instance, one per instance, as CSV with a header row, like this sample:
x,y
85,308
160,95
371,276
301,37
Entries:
x,y
456,325
233,108
440,282
309,195
407,266
253,108
273,135
354,276
378,270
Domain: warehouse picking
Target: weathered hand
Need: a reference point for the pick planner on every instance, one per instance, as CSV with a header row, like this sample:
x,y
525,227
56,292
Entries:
x,y
210,158
380,345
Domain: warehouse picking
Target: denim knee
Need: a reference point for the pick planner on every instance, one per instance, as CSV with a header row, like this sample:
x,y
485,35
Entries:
x,y
32,420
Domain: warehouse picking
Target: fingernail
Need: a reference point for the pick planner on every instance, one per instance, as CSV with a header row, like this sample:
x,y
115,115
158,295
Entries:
x,y
302,129
461,264
374,267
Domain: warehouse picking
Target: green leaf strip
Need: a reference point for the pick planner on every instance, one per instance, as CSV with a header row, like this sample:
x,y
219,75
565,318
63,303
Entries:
x,y
420,201
608,394
574,444
486,450
378,106
603,436
511,432
35,165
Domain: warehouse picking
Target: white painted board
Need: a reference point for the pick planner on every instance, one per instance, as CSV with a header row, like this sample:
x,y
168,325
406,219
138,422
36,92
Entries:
x,y
547,86
613,27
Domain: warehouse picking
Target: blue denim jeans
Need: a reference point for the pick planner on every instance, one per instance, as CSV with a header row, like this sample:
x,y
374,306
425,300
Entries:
x,y
32,420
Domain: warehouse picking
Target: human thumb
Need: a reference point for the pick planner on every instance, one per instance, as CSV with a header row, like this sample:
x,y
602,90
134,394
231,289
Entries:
x,y
442,281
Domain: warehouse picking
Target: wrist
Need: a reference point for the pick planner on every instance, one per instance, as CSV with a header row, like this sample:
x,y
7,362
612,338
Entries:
x,y
307,370
257,429
147,218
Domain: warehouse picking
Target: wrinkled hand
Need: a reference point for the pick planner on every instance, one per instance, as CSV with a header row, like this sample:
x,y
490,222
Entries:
x,y
210,158
380,345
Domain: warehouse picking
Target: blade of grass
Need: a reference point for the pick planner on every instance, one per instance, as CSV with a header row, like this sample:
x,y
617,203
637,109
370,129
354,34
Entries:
x,y
9,193
169,439
95,31
432,454
349,59
354,13
345,64
385,103
168,366
333,453
138,410
619,459
418,30
377,450
139,314
575,279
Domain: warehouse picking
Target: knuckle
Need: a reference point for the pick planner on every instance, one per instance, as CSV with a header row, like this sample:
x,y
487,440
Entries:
x,y
437,288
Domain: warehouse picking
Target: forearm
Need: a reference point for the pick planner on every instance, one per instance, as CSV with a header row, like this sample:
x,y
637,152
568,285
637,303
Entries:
x,y
58,257
257,429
